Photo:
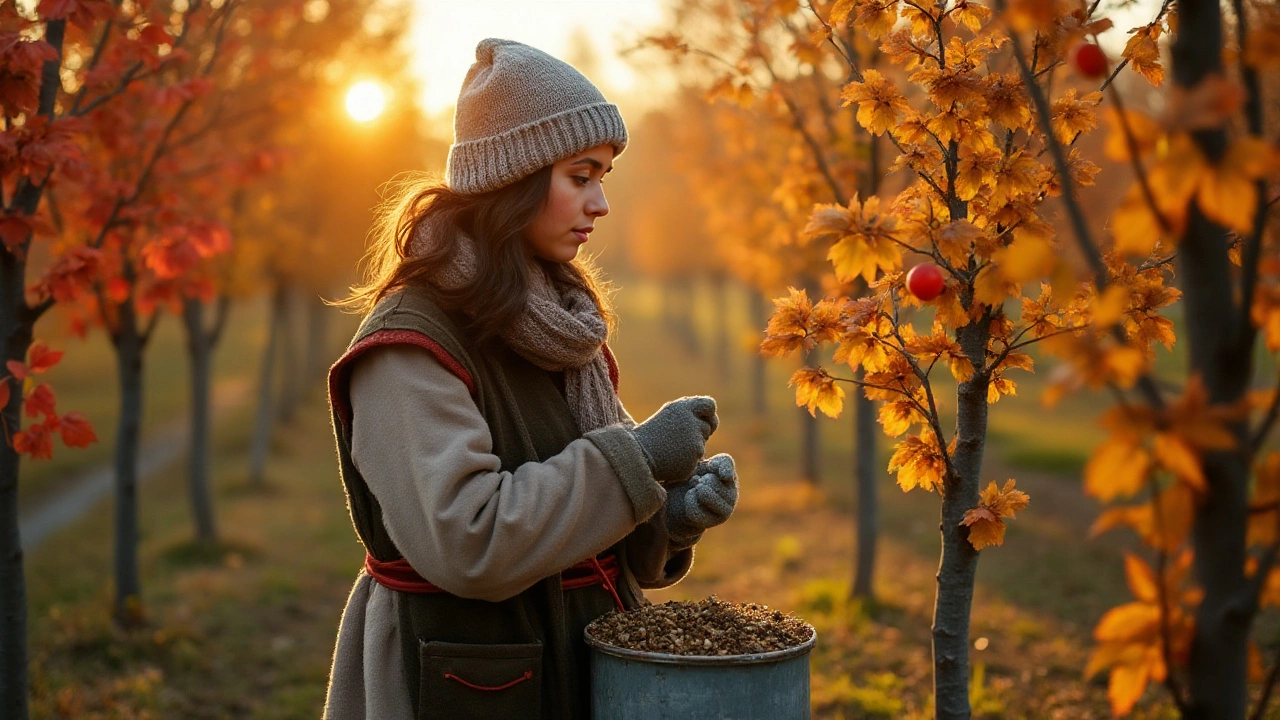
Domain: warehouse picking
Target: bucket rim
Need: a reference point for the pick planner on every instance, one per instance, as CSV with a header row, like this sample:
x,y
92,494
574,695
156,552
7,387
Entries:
x,y
703,660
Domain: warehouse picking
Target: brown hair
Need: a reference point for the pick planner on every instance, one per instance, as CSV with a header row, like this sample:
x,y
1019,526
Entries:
x,y
496,220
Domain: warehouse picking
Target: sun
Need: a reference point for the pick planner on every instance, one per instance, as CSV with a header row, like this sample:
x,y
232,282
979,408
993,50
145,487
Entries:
x,y
365,101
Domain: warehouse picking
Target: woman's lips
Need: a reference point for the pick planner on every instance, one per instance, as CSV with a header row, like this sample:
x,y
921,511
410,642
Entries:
x,y
582,236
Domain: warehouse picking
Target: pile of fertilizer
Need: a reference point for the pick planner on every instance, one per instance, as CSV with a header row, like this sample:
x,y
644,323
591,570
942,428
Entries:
x,y
704,627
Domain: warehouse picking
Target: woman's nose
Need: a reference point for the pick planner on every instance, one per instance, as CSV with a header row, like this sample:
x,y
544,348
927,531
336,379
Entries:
x,y
597,205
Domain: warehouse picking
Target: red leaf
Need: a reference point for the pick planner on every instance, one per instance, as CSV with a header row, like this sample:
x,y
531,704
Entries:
x,y
14,230
77,431
5,392
40,402
72,274
18,369
155,35
56,9
118,290
34,441
170,257
42,358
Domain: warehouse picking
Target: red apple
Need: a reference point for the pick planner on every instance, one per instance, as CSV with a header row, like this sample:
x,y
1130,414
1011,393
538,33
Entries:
x,y
925,281
1088,60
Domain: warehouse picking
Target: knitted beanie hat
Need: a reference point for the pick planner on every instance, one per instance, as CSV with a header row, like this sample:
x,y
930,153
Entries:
x,y
520,110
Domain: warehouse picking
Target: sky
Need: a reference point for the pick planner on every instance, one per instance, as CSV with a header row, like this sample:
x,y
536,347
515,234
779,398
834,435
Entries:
x,y
446,32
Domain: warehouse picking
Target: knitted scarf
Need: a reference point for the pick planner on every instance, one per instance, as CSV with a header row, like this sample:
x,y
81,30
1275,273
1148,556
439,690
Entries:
x,y
560,330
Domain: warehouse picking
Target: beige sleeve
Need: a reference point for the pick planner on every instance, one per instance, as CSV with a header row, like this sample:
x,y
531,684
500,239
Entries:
x,y
464,524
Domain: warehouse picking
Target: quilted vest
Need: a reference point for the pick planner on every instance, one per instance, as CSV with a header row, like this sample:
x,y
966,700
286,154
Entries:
x,y
521,657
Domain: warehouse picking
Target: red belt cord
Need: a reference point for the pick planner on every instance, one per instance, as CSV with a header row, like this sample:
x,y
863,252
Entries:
x,y
399,575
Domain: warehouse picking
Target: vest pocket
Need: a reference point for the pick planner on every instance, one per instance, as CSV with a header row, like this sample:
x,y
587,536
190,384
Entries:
x,y
462,681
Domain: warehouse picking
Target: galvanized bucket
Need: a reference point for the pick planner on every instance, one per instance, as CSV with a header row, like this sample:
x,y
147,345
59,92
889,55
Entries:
x,y
637,685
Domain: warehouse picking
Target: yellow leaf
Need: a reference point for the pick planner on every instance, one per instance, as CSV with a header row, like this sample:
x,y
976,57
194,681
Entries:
x,y
1143,132
918,463
897,417
1134,226
1228,197
840,11
1118,467
879,101
1179,458
1027,258
815,389
1111,305
1073,116
826,220
956,240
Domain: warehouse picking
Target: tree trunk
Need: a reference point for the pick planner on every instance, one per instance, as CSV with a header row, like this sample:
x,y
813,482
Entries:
x,y
200,351
317,339
720,311
16,325
15,332
290,381
865,476
1220,346
759,368
129,345
959,564
266,395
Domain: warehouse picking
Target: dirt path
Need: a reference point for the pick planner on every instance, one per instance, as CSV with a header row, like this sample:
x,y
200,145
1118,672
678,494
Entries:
x,y
158,452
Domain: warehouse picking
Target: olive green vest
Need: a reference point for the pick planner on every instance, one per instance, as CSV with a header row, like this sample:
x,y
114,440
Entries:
x,y
488,644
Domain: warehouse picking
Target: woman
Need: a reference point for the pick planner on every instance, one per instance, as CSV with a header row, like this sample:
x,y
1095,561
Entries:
x,y
503,494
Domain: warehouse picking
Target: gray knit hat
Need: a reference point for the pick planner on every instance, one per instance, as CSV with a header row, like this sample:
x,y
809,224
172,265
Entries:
x,y
520,110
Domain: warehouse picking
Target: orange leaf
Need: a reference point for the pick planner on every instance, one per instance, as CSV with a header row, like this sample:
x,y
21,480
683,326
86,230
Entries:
x,y
1118,467
985,529
1128,682
1141,579
816,390
1175,455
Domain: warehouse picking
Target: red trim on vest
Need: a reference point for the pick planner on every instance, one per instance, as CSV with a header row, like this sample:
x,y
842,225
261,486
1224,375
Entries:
x,y
528,675
612,362
340,373
399,575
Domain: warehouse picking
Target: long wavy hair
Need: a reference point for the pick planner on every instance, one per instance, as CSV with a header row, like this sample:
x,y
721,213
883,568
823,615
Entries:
x,y
498,294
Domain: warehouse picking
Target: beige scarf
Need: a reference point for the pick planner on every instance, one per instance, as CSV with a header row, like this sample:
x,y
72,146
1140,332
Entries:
x,y
560,330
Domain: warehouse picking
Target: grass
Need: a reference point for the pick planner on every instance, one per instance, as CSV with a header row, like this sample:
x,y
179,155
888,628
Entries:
x,y
246,628
85,380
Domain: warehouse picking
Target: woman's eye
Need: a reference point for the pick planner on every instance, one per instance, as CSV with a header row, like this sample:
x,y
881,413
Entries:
x,y
582,180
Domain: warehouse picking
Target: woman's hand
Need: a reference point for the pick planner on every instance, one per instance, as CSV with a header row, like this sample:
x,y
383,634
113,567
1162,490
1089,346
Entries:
x,y
675,438
705,500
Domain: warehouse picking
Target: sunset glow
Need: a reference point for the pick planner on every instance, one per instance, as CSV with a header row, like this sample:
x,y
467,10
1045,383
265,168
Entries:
x,y
365,101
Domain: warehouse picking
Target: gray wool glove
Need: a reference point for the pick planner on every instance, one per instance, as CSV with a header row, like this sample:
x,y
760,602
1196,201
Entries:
x,y
675,438
705,500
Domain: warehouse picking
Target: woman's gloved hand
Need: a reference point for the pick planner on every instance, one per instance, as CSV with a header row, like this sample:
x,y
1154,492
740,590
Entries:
x,y
675,438
704,500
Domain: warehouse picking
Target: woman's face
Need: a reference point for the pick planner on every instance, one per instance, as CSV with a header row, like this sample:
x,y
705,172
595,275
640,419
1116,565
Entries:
x,y
574,201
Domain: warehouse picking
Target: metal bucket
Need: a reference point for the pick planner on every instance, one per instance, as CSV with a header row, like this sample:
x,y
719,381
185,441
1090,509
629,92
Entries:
x,y
637,685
